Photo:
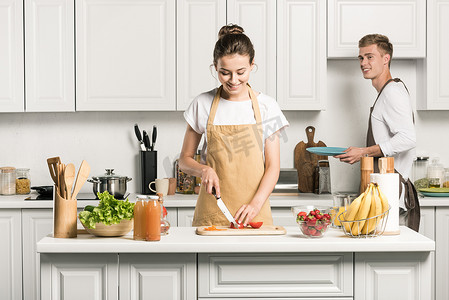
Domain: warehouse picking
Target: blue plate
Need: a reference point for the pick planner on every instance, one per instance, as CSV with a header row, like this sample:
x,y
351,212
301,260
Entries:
x,y
427,194
326,151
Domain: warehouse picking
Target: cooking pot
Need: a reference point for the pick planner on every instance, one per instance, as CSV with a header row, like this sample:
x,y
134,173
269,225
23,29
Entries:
x,y
114,184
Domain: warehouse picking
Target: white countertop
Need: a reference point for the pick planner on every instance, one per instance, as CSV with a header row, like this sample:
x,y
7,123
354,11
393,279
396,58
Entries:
x,y
184,240
186,200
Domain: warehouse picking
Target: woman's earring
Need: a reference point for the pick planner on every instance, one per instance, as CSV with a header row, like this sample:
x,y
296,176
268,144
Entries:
x,y
257,68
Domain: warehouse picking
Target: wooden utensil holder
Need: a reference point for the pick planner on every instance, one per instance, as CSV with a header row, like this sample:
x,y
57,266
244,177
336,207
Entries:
x,y
64,221
366,168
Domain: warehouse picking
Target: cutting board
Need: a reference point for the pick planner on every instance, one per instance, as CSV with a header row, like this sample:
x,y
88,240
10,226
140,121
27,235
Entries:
x,y
306,162
263,230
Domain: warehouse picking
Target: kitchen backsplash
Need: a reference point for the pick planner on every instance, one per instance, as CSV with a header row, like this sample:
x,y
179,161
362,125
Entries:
x,y
107,139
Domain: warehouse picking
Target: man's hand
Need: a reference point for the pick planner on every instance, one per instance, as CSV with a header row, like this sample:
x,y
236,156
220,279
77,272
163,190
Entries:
x,y
352,155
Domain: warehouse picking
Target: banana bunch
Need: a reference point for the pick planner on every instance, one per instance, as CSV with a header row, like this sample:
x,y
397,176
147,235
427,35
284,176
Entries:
x,y
371,203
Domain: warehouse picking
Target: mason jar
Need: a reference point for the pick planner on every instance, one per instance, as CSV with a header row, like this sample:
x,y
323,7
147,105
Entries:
x,y
7,180
23,181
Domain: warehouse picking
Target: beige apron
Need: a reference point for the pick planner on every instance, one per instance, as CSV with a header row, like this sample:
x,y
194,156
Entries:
x,y
411,197
235,152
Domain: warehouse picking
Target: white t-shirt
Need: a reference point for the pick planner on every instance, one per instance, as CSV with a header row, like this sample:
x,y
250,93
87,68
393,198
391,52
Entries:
x,y
235,113
393,128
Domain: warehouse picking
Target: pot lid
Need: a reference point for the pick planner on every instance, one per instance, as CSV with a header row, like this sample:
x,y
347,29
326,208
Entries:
x,y
109,175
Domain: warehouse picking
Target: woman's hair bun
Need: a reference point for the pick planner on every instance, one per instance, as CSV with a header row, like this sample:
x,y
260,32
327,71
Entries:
x,y
230,29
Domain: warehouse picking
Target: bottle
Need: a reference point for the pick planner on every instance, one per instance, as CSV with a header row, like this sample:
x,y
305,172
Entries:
x,y
139,217
7,181
165,225
446,178
23,182
153,219
435,173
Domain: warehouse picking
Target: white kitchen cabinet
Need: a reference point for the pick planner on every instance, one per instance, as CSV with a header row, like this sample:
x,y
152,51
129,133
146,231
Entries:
x,y
10,254
427,222
435,69
185,216
79,276
172,216
402,276
125,55
36,224
301,54
49,55
198,23
270,275
160,276
442,253
11,56
258,19
403,21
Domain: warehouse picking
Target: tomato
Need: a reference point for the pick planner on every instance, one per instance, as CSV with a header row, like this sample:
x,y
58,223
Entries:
x,y
164,212
240,226
255,224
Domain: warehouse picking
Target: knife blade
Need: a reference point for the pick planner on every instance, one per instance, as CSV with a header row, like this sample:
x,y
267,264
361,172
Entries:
x,y
225,210
139,137
146,141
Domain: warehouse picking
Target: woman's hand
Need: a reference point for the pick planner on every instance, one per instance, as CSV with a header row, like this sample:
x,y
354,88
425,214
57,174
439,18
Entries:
x,y
246,213
210,180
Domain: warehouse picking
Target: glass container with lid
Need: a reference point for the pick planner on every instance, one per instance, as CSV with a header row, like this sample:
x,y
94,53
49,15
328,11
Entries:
x,y
23,181
446,178
7,181
435,173
419,173
147,218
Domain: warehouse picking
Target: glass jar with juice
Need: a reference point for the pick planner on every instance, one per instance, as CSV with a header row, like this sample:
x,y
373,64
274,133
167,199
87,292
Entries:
x,y
147,218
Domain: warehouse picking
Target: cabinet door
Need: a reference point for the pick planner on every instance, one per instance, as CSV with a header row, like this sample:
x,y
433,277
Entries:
x,y
403,21
10,254
437,63
158,276
36,224
11,56
427,222
301,54
50,55
79,276
125,55
185,216
258,19
393,276
442,253
198,23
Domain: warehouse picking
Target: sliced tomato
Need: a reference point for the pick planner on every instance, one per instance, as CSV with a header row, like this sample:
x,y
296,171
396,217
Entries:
x,y
240,226
255,224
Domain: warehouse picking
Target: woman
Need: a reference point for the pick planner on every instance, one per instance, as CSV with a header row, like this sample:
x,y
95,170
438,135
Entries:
x,y
241,129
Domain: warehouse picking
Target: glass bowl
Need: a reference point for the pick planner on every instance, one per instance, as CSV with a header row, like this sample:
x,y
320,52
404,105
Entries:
x,y
313,227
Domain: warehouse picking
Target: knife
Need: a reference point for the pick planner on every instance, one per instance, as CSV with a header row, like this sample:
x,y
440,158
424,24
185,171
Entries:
x,y
139,137
146,141
153,138
225,210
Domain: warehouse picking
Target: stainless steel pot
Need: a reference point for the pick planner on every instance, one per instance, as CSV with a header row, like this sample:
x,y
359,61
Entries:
x,y
114,184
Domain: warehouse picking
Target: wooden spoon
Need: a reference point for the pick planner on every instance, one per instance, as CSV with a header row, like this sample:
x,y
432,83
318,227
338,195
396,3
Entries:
x,y
53,167
83,174
69,178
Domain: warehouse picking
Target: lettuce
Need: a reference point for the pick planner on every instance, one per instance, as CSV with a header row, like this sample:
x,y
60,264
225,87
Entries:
x,y
109,211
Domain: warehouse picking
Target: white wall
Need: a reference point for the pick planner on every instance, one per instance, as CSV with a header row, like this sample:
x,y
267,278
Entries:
x,y
107,140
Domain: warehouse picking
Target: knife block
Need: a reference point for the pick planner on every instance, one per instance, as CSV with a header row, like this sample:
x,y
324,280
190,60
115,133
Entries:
x,y
148,165
64,218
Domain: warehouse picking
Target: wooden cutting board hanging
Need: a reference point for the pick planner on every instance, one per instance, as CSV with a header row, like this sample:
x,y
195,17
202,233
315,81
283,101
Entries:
x,y
306,162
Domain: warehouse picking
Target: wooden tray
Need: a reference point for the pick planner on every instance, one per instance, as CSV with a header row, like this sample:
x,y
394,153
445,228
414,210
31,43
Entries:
x,y
263,230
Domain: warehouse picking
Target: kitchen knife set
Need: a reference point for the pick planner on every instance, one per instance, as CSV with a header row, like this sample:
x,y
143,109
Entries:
x,y
144,139
64,177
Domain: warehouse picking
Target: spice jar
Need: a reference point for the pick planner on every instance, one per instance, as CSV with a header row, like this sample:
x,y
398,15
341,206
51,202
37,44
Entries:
x,y
7,181
23,181
435,173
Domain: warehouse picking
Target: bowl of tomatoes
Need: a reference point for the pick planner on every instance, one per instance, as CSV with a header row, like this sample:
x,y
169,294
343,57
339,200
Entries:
x,y
313,221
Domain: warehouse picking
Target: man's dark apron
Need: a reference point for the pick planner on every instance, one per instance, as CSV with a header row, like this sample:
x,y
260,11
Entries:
x,y
410,197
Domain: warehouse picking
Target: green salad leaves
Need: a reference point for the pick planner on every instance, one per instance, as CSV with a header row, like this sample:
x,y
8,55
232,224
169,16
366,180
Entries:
x,y
109,211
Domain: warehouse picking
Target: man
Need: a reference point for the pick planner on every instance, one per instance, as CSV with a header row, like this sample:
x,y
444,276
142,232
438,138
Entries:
x,y
391,129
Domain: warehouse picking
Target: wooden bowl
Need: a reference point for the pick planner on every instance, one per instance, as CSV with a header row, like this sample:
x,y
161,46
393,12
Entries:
x,y
120,229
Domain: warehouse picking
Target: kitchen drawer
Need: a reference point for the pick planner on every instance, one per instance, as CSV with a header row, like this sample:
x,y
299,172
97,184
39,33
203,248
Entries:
x,y
345,298
274,275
